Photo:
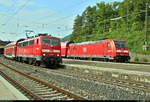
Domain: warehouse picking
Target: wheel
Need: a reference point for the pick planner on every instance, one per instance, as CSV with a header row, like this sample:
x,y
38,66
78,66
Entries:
x,y
115,60
20,59
38,63
106,60
30,61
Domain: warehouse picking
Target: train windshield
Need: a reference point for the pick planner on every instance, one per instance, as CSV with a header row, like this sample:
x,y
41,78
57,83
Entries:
x,y
48,41
120,43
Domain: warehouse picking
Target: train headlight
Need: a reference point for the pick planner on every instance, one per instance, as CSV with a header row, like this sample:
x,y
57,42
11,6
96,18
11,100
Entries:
x,y
126,51
43,54
58,51
46,50
118,50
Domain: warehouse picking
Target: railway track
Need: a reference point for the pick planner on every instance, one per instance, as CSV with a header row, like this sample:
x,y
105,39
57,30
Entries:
x,y
126,66
142,86
142,63
98,78
39,89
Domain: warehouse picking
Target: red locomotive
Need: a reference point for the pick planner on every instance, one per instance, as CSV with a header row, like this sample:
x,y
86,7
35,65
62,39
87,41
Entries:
x,y
107,49
40,49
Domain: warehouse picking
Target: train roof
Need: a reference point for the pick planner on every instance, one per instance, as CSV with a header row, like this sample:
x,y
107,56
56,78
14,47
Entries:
x,y
94,42
89,42
12,43
37,36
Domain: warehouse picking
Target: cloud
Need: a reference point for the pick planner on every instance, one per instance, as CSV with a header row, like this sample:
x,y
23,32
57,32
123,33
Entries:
x,y
37,16
17,3
6,2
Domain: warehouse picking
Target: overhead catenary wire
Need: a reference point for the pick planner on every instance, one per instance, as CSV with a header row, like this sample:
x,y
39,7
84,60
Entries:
x,y
10,18
17,11
72,6
54,21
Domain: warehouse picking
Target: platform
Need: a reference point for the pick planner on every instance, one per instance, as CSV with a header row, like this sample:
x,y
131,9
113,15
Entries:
x,y
9,92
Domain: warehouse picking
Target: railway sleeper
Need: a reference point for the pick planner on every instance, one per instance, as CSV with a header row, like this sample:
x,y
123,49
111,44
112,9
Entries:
x,y
47,92
42,90
59,97
47,95
39,85
39,91
35,82
68,98
56,94
50,92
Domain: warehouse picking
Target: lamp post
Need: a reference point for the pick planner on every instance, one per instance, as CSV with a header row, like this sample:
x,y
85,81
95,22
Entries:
x,y
145,47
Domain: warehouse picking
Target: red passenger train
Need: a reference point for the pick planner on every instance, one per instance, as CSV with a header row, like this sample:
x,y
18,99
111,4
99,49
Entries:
x,y
107,49
10,50
40,49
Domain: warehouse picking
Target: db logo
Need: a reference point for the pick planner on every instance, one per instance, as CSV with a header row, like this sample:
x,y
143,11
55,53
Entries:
x,y
84,49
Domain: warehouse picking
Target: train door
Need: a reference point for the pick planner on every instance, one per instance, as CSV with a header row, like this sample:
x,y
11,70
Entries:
x,y
67,49
13,52
107,48
36,48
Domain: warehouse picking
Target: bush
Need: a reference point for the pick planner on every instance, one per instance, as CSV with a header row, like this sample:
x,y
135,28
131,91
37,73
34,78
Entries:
x,y
145,60
136,59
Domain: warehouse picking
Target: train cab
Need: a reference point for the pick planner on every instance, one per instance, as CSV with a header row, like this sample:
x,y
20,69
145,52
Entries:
x,y
103,49
40,49
121,50
10,50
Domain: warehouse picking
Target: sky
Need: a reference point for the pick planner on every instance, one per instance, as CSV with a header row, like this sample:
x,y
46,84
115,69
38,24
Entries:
x,y
55,17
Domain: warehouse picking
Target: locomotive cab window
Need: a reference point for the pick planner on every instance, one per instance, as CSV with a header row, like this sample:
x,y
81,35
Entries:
x,y
48,41
120,44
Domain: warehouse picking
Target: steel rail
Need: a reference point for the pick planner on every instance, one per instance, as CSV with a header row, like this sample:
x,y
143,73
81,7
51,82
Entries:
x,y
46,83
22,87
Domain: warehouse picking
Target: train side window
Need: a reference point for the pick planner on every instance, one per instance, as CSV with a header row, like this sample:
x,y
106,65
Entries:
x,y
21,44
25,43
37,41
108,45
31,42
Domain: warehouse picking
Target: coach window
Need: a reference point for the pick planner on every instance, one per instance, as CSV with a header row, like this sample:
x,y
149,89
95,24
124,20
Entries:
x,y
31,42
21,44
25,43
